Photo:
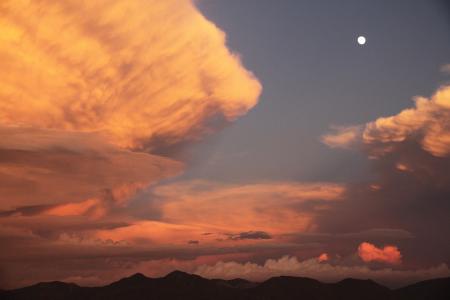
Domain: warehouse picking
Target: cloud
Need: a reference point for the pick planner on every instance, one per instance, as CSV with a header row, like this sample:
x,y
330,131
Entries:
x,y
388,254
95,100
291,266
191,208
373,233
70,240
48,167
323,257
275,207
385,233
161,77
153,233
409,158
445,69
428,123
99,206
250,235
75,107
76,246
342,137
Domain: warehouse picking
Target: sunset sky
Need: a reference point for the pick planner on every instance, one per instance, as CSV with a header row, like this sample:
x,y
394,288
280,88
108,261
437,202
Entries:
x,y
226,138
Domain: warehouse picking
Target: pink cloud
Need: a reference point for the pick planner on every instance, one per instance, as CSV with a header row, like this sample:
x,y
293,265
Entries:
x,y
388,254
323,257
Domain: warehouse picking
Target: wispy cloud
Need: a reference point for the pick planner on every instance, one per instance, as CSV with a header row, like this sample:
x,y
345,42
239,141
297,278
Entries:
x,y
445,69
342,137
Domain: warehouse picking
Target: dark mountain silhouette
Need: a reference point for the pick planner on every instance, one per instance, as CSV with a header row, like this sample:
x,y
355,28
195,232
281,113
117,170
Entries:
x,y
435,289
180,285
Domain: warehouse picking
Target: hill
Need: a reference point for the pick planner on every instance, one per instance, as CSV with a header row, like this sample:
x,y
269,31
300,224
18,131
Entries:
x,y
179,285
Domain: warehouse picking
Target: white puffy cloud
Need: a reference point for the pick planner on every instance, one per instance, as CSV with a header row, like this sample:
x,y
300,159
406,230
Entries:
x,y
291,266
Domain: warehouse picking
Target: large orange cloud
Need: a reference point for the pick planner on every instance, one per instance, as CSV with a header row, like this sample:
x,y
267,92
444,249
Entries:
x,y
388,254
83,86
155,79
94,96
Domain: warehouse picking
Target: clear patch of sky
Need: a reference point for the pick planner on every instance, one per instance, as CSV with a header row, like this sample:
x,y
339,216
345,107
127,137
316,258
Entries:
x,y
314,75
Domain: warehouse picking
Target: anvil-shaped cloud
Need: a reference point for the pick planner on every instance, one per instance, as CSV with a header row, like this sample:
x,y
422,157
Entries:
x,y
83,85
94,99
145,74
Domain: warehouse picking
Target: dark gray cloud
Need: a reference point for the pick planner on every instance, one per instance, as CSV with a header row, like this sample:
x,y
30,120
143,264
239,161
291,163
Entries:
x,y
250,235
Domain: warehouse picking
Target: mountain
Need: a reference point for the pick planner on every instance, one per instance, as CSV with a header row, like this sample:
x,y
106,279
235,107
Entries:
x,y
179,285
435,289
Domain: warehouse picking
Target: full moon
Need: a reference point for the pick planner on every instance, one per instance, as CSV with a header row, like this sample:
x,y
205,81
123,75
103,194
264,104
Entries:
x,y
361,40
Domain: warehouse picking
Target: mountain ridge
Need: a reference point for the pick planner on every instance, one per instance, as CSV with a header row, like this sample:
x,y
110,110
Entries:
x,y
181,285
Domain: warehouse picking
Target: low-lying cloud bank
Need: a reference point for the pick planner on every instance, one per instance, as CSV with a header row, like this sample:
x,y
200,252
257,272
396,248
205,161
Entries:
x,y
291,266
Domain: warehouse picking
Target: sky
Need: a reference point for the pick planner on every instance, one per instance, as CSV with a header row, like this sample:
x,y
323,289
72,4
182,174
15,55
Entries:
x,y
224,138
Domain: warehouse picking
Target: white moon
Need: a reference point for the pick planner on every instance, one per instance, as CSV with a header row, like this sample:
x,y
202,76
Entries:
x,y
361,40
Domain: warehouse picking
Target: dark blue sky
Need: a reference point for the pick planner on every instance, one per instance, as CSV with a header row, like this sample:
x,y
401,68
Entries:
x,y
315,75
